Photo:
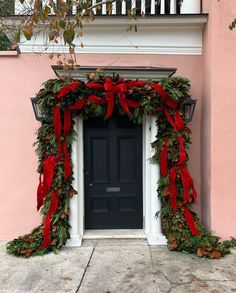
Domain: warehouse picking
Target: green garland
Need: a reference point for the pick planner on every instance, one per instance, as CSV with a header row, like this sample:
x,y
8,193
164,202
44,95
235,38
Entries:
x,y
174,224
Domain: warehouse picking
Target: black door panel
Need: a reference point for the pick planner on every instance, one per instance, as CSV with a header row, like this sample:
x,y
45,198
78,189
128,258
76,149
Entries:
x,y
113,174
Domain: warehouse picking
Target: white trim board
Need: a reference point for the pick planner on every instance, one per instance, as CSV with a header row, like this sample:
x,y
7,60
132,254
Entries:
x,y
151,38
151,202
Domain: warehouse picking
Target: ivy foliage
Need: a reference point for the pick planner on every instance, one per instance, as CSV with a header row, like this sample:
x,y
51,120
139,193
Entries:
x,y
174,224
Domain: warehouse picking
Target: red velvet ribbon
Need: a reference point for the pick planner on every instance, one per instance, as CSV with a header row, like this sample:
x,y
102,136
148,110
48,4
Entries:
x,y
187,184
78,105
67,89
40,193
190,221
44,187
164,157
164,97
94,86
96,100
47,224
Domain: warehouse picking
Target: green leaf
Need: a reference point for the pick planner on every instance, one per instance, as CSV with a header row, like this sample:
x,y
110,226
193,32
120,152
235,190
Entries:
x,y
69,35
17,36
62,24
28,31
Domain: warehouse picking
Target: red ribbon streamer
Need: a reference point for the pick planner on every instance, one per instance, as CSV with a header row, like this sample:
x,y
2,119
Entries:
x,y
47,223
67,122
40,193
67,89
190,221
179,121
170,119
94,86
164,157
48,172
46,232
187,184
78,105
169,102
96,100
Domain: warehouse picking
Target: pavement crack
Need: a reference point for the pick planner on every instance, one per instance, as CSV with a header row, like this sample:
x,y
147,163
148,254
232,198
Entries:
x,y
86,268
180,284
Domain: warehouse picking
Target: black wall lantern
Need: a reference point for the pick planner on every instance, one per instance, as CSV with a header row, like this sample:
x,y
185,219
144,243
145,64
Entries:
x,y
188,107
39,115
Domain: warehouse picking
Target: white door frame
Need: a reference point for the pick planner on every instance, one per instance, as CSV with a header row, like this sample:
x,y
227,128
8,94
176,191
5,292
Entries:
x,y
151,202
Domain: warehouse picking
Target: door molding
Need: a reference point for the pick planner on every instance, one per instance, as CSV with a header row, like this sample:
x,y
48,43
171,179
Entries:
x,y
151,204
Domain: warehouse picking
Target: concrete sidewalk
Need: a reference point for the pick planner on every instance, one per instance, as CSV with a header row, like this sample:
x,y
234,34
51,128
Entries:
x,y
116,266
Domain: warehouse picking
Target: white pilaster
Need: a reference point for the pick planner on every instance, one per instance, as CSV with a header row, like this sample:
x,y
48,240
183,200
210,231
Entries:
x,y
77,201
152,204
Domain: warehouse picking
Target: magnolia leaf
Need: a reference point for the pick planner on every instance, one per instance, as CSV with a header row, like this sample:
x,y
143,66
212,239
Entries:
x,y
215,254
35,18
17,36
69,35
28,31
62,24
200,252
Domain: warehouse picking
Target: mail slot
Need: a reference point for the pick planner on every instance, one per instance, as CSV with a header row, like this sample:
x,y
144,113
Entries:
x,y
113,189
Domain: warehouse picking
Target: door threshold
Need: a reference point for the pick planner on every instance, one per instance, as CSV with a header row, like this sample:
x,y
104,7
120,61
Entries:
x,y
114,234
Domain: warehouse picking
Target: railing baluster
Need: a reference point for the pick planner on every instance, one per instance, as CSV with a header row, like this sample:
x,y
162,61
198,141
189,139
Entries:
x,y
114,8
133,4
104,9
143,7
172,6
152,11
162,6
123,7
94,9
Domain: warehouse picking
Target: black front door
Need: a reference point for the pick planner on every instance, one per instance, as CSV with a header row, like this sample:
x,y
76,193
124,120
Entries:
x,y
113,173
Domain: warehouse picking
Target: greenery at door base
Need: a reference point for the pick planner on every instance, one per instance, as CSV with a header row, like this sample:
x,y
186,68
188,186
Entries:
x,y
173,222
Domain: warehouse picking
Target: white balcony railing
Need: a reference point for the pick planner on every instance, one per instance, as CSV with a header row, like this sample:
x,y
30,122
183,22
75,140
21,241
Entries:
x,y
121,7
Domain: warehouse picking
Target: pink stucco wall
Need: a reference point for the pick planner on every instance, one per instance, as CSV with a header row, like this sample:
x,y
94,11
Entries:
x,y
20,79
219,119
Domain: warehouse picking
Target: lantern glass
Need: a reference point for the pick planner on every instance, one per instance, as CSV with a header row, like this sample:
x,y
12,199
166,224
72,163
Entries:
x,y
39,115
188,107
